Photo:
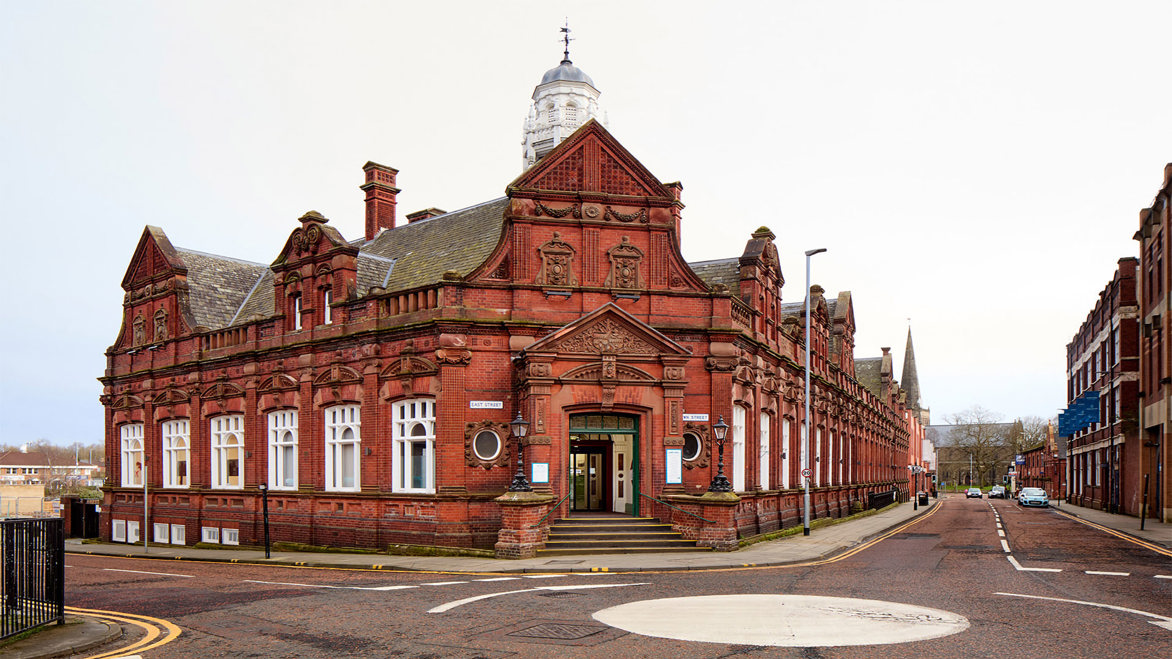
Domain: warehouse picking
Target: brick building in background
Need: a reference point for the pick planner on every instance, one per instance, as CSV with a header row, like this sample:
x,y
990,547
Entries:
x,y
1103,360
368,384
1155,361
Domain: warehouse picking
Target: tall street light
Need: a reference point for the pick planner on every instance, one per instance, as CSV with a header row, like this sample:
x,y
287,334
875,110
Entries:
x,y
806,436
719,482
520,428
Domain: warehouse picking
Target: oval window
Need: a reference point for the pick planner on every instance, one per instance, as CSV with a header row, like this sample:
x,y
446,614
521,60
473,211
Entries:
x,y
486,445
691,446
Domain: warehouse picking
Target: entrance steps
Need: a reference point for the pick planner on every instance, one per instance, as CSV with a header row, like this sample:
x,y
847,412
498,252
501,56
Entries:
x,y
614,534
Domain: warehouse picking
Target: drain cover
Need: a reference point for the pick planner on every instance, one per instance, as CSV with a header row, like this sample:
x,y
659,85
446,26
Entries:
x,y
559,631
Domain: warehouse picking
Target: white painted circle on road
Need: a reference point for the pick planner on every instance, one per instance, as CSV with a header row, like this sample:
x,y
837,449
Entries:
x,y
782,620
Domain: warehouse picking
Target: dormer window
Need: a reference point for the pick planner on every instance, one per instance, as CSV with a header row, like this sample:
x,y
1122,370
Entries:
x,y
327,298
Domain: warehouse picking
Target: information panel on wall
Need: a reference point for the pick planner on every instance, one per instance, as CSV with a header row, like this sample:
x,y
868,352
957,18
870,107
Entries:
x,y
675,466
540,472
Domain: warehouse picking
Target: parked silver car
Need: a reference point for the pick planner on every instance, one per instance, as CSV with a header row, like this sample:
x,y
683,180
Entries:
x,y
1033,496
998,492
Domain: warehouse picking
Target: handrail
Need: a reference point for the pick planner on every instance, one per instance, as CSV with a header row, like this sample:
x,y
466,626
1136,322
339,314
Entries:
x,y
676,508
555,507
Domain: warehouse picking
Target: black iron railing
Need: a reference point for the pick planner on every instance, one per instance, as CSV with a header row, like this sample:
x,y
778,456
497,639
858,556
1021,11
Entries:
x,y
32,574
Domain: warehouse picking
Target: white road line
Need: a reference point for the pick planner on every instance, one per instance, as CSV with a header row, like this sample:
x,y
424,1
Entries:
x,y
161,574
1005,545
1014,563
1164,621
442,583
1000,533
1109,574
311,585
1164,576
546,576
500,579
451,605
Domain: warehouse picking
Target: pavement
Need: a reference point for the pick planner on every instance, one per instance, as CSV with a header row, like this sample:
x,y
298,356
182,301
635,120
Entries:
x,y
823,542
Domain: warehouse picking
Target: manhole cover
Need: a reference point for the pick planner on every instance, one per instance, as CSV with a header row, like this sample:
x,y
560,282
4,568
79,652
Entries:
x,y
558,631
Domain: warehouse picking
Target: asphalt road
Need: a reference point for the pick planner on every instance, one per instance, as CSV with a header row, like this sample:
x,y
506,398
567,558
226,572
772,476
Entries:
x,y
976,578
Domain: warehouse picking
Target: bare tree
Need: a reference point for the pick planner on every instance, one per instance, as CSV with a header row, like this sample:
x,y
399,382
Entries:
x,y
1030,433
979,435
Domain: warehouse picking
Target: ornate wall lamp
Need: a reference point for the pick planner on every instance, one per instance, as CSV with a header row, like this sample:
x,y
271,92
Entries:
x,y
719,482
520,427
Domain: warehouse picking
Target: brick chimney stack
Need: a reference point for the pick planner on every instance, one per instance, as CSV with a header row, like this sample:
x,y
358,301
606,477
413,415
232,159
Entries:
x,y
380,197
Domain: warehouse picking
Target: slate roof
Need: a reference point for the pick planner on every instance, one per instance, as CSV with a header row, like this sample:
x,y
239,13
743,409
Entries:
x,y
224,291
218,285
797,309
867,372
721,271
423,251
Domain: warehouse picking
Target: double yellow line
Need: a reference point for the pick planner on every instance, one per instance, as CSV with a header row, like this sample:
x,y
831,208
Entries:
x,y
156,631
1118,534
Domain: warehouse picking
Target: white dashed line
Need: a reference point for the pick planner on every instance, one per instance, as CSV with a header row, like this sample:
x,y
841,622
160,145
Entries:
x,y
1109,574
1005,545
160,574
1014,563
1164,576
1000,533
442,583
546,576
500,579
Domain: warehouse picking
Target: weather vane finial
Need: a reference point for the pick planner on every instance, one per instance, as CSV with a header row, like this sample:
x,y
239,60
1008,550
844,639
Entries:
x,y
566,37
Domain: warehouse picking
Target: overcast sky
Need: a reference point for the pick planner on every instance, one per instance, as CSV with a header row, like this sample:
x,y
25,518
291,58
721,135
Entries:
x,y
977,169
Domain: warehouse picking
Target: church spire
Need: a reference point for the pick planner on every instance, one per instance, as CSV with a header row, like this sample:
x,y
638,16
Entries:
x,y
910,381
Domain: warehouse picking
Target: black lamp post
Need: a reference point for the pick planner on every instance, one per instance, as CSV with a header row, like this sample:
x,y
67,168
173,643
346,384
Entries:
x,y
264,497
519,428
719,482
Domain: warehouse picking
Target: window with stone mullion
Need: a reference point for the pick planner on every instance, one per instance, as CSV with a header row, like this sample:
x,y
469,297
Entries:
x,y
343,429
413,453
132,456
176,452
227,457
283,450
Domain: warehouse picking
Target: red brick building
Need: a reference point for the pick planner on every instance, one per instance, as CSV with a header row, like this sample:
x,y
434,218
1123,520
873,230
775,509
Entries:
x,y
369,383
1155,360
1045,466
1103,360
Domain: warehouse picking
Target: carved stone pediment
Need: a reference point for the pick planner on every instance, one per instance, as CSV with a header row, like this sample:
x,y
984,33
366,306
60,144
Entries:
x,y
608,372
221,390
608,330
126,401
337,374
409,365
278,382
172,396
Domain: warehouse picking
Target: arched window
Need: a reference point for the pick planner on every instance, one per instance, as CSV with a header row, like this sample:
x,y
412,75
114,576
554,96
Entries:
x,y
283,450
786,451
343,438
228,452
176,452
738,448
413,438
132,455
